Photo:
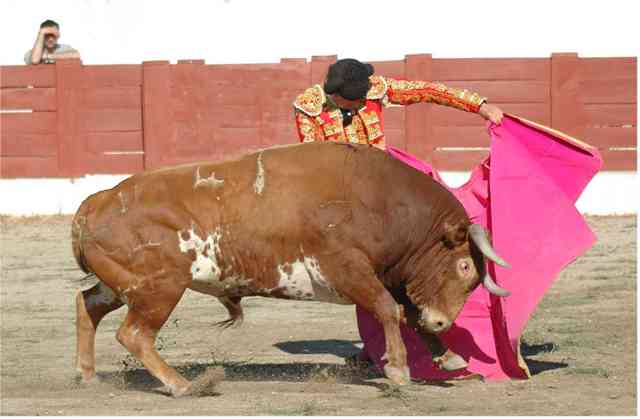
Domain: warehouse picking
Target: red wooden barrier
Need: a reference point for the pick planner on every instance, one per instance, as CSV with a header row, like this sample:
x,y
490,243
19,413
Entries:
x,y
70,120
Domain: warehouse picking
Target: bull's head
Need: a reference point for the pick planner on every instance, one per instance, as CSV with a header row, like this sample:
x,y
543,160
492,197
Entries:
x,y
462,253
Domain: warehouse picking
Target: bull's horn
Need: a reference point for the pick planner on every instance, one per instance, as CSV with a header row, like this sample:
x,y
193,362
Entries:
x,y
479,237
494,288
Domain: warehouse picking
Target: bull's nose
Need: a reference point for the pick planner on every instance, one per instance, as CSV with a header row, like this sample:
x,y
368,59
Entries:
x,y
435,321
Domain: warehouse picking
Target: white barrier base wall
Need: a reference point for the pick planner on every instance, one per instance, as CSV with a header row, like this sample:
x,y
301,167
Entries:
x,y
608,193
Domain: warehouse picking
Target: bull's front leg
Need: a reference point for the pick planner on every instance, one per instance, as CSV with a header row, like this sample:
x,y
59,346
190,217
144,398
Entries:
x,y
351,274
442,356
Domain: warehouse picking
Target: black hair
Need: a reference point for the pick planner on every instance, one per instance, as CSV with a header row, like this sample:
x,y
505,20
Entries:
x,y
49,24
349,78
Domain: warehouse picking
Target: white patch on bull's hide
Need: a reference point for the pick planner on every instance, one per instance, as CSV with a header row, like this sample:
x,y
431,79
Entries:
x,y
323,290
205,269
123,203
294,281
205,266
258,185
210,181
303,280
105,296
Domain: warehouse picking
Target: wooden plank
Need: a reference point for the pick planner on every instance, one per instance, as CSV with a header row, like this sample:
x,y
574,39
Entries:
x,y
192,139
235,139
319,66
37,99
99,142
118,75
454,136
457,160
230,116
29,167
395,137
114,164
28,123
603,137
389,68
394,118
619,160
31,75
509,91
28,145
491,69
276,133
447,116
609,68
111,97
608,91
611,114
94,120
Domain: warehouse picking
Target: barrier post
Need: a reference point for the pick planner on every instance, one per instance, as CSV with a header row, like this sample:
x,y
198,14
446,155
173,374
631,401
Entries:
x,y
567,110
157,115
418,138
68,85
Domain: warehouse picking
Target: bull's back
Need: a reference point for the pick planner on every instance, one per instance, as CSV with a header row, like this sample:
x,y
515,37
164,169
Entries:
x,y
255,206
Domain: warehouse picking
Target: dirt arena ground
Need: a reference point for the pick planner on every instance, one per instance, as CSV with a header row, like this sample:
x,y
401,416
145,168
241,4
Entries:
x,y
287,359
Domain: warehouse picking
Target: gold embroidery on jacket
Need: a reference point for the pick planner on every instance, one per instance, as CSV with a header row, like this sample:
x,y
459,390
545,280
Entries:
x,y
311,101
378,89
308,129
406,92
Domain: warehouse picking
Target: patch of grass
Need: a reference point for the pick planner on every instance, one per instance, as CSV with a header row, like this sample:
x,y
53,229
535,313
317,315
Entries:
x,y
595,371
323,375
572,300
392,391
306,409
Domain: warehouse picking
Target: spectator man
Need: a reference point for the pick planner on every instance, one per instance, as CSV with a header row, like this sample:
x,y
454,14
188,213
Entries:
x,y
47,50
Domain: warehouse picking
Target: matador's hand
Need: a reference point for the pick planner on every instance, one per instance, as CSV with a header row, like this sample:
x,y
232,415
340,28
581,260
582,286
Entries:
x,y
491,112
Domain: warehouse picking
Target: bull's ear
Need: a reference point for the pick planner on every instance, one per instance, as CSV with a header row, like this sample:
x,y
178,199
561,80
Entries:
x,y
455,234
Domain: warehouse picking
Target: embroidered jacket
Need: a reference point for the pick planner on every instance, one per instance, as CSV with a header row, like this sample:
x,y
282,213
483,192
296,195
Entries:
x,y
319,119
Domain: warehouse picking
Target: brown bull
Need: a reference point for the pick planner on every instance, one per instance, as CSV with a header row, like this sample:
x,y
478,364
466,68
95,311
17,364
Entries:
x,y
320,222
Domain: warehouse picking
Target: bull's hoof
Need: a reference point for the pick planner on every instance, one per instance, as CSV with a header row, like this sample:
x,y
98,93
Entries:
x,y
85,376
205,385
450,361
399,376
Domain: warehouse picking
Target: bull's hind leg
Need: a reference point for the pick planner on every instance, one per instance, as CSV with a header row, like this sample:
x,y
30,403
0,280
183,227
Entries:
x,y
351,275
138,334
91,306
236,316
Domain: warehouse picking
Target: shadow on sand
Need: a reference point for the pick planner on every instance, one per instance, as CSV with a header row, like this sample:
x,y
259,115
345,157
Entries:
x,y
140,379
536,367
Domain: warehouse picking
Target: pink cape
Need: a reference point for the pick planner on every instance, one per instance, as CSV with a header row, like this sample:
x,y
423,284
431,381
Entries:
x,y
526,198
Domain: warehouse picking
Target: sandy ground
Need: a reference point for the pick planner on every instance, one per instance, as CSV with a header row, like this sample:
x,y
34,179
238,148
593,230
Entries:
x,y
287,359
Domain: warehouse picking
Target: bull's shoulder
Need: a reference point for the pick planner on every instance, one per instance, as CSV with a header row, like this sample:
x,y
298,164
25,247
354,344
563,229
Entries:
x,y
311,101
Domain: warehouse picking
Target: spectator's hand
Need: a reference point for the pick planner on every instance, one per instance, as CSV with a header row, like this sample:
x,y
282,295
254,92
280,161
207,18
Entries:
x,y
49,31
491,112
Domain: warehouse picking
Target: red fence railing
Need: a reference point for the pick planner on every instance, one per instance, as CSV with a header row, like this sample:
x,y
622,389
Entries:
x,y
70,119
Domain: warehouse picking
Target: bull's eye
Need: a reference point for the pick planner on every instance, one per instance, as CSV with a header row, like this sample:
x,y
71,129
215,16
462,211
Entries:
x,y
465,266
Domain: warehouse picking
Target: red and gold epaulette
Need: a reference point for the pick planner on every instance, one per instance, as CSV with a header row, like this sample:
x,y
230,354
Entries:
x,y
311,101
378,88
